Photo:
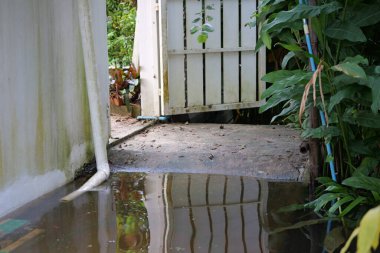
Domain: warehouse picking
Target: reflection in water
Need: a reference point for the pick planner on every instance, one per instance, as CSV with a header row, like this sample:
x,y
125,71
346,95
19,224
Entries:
x,y
204,213
131,214
162,213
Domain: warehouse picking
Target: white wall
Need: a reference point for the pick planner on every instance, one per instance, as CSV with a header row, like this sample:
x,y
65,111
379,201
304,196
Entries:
x,y
45,129
147,48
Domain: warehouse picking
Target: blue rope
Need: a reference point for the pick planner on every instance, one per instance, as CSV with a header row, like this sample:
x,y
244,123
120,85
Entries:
x,y
322,115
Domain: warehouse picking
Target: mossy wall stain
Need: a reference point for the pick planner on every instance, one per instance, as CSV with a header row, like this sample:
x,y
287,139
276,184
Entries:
x,y
2,178
166,88
87,122
13,152
46,108
40,133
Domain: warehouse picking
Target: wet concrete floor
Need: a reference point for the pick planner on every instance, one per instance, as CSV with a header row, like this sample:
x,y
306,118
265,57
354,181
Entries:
x,y
224,209
139,212
270,152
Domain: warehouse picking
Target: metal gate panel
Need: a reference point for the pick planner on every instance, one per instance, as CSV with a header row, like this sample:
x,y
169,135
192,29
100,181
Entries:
x,y
222,74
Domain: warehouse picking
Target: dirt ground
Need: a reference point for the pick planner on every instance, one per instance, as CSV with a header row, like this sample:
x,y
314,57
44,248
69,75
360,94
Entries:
x,y
270,152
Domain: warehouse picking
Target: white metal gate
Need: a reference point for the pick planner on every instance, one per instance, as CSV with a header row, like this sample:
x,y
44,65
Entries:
x,y
222,74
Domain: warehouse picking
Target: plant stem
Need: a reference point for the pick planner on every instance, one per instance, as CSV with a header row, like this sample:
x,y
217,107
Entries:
x,y
342,126
343,129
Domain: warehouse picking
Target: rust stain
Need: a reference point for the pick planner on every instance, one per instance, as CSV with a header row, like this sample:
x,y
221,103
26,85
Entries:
x,y
166,87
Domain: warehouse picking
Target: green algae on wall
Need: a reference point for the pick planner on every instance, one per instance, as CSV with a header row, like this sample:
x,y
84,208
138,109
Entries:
x,y
40,133
46,134
85,109
2,178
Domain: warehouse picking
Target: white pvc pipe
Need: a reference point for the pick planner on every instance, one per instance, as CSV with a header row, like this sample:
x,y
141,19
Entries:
x,y
93,88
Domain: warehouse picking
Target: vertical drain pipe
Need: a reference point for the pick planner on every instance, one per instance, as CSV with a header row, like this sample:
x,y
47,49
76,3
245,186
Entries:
x,y
92,81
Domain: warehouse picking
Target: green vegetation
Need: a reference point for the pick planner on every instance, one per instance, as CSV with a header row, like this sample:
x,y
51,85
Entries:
x,y
368,232
121,31
201,25
346,88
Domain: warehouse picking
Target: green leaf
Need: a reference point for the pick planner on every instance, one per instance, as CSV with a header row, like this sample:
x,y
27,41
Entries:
x,y
345,31
318,27
321,132
207,27
336,188
369,15
363,182
287,18
350,69
358,59
286,59
266,39
194,29
359,200
325,180
324,199
374,83
281,96
366,148
196,20
367,165
376,196
202,38
294,105
283,80
340,203
346,93
275,100
362,118
290,47
209,18
274,76
210,7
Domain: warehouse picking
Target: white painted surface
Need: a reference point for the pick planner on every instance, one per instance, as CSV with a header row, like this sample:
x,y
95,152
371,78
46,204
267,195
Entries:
x,y
44,116
175,96
248,59
147,31
213,61
231,59
28,187
194,61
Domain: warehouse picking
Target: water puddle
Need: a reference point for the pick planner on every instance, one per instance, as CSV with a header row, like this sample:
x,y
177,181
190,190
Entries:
x,y
138,212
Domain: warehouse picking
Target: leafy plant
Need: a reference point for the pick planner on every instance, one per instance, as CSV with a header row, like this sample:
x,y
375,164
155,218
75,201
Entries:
x,y
350,199
350,76
201,25
348,92
121,30
368,233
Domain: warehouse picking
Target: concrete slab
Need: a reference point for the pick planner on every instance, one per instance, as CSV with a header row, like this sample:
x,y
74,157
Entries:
x,y
270,152
124,126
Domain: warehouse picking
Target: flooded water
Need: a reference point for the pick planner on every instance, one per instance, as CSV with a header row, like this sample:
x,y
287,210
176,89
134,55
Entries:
x,y
137,212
